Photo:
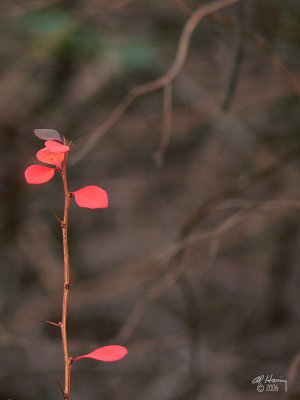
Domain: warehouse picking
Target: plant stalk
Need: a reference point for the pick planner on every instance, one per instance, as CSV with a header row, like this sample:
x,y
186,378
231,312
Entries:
x,y
64,226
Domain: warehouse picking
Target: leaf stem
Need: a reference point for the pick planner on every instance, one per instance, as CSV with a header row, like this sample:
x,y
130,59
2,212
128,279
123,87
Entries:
x,y
64,226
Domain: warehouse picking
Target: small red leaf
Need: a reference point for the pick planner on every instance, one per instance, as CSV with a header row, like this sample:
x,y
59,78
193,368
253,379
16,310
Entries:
x,y
36,174
106,353
91,197
55,147
47,134
45,156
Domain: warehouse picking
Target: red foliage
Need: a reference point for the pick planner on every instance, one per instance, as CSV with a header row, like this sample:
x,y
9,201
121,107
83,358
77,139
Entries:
x,y
45,156
55,147
106,353
36,174
91,197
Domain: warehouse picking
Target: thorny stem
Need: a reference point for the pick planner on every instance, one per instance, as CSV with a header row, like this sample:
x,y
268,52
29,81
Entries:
x,y
64,226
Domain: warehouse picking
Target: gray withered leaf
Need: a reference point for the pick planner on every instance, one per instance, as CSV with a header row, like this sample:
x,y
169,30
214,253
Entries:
x,y
47,134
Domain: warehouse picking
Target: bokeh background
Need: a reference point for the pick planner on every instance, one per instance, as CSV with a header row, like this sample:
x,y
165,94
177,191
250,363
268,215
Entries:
x,y
195,264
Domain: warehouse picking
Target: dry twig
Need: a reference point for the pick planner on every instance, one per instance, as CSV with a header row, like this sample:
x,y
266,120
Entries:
x,y
87,143
292,372
285,74
167,127
237,59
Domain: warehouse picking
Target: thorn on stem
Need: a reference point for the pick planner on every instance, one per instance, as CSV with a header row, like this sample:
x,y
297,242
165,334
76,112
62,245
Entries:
x,y
61,388
71,279
54,323
58,219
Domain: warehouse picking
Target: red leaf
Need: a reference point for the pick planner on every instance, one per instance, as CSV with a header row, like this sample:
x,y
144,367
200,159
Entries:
x,y
45,156
47,134
91,197
106,353
55,147
36,174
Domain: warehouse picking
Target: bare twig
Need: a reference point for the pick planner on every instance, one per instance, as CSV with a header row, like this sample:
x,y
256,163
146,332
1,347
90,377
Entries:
x,y
292,372
193,320
181,6
237,58
88,142
285,74
61,388
167,126
58,219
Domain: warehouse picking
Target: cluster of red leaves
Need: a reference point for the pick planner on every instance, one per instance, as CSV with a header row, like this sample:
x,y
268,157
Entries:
x,y
54,153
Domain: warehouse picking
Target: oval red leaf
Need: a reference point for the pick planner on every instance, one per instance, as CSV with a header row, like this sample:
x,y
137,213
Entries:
x,y
91,197
55,147
47,134
106,353
36,174
45,156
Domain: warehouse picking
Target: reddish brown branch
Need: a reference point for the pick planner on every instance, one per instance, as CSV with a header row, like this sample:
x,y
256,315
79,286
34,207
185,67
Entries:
x,y
64,226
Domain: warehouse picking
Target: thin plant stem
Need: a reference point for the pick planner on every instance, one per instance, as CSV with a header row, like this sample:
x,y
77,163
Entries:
x,y
64,226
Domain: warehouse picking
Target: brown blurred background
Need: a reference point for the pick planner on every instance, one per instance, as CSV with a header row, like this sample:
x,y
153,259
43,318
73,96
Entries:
x,y
195,264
